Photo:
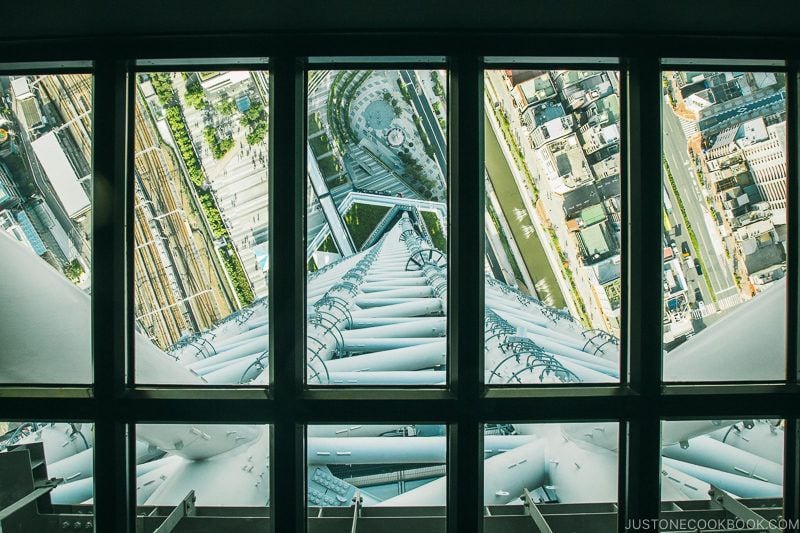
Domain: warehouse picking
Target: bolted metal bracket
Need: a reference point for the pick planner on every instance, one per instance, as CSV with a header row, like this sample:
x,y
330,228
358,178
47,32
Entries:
x,y
535,514
739,510
183,509
357,501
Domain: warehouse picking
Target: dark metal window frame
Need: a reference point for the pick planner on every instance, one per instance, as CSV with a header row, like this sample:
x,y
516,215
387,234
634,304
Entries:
x,y
639,403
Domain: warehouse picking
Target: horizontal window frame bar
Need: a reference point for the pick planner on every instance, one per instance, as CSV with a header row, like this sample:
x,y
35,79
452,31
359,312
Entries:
x,y
702,61
721,67
782,403
37,68
552,60
355,61
554,65
45,390
190,68
325,44
237,63
375,65
334,393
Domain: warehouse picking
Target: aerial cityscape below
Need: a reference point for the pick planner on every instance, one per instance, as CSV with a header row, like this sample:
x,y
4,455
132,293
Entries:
x,y
377,272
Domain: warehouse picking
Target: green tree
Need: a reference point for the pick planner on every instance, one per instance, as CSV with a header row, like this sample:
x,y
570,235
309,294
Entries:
x,y
73,270
195,96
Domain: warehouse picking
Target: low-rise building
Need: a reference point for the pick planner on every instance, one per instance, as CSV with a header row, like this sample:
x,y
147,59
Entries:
x,y
564,164
533,91
547,122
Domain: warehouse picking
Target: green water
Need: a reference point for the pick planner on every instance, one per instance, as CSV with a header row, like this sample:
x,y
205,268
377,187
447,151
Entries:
x,y
518,219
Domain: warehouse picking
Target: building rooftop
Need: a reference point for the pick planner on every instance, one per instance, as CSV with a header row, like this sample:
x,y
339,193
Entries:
x,y
61,175
543,112
595,242
593,214
515,77
565,164
763,257
535,90
20,88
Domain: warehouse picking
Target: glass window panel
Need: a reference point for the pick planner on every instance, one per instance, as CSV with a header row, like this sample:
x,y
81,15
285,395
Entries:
x,y
724,181
742,459
553,226
392,470
377,227
226,465
567,470
31,453
45,227
201,227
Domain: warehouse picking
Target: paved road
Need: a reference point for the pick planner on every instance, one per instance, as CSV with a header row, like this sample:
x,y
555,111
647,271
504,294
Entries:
x,y
742,111
428,120
693,280
714,260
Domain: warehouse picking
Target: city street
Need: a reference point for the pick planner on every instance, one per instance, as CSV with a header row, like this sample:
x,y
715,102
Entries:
x,y
693,280
428,120
711,252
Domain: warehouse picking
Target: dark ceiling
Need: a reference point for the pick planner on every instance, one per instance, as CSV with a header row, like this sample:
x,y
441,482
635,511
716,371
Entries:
x,y
66,18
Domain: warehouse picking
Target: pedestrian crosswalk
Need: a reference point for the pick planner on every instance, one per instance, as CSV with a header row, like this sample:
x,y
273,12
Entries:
x,y
689,127
721,305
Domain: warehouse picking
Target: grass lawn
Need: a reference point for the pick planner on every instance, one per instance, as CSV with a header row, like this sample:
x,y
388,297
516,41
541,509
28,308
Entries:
x,y
328,166
320,145
361,219
435,230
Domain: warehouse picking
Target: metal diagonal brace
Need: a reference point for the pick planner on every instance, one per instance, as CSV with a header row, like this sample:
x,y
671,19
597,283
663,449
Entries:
x,y
29,498
185,508
534,513
357,501
740,510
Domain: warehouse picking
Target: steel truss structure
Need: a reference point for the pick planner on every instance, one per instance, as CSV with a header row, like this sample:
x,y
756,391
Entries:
x,y
639,403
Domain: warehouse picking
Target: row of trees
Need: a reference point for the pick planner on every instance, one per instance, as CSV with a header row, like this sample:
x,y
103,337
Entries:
x,y
426,142
238,277
219,147
419,181
177,124
255,118
438,88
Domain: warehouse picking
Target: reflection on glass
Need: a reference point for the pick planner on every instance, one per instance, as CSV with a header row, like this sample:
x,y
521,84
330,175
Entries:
x,y
226,465
201,227
724,215
377,465
742,459
377,227
31,453
45,227
553,221
548,465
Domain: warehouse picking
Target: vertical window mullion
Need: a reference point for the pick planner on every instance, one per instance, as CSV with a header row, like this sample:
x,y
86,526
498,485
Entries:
x,y
465,265
109,316
287,290
643,288
791,474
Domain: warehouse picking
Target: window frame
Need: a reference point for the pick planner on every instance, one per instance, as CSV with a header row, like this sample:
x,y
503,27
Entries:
x,y
639,402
